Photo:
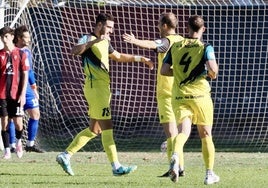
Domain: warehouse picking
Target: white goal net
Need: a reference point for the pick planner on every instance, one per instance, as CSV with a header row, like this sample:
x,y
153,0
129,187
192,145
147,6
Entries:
x,y
238,30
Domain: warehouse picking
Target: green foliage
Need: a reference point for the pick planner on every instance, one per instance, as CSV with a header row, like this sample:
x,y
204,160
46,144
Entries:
x,y
93,170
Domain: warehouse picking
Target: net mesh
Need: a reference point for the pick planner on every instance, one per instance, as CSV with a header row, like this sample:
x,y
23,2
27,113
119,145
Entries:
x,y
238,30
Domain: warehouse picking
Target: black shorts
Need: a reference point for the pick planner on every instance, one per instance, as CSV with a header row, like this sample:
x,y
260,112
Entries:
x,y
10,108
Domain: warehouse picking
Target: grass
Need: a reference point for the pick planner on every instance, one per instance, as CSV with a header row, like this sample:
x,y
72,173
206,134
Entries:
x,y
93,170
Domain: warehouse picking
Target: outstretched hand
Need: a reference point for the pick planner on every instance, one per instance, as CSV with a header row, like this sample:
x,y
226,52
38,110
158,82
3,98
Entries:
x,y
148,62
129,38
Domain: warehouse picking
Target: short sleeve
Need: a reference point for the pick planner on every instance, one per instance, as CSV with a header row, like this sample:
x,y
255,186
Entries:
x,y
209,53
83,39
162,45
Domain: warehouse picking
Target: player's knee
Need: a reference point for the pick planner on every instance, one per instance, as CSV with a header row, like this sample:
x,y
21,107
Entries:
x,y
34,114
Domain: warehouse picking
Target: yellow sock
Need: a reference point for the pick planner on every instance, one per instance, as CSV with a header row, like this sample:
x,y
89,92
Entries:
x,y
170,142
208,151
109,145
178,145
80,140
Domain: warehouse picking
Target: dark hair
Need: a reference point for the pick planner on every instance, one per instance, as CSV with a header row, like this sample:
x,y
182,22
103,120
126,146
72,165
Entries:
x,y
18,33
169,19
5,30
103,17
195,23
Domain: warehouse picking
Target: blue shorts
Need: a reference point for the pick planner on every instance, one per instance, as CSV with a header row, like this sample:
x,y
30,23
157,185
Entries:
x,y
31,101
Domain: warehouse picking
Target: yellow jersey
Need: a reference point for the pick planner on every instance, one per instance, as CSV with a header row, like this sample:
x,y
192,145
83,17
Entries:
x,y
96,61
189,70
164,83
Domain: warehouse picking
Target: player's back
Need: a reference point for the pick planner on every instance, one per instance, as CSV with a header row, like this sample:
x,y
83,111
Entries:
x,y
189,67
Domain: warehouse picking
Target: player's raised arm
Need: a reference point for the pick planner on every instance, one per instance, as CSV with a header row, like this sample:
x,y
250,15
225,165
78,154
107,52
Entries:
x,y
130,38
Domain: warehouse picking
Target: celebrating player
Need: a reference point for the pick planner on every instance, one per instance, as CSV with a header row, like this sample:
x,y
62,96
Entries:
x,y
167,27
192,62
95,49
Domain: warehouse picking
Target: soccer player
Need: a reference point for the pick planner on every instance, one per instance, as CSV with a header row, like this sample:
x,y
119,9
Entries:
x,y
95,50
22,40
14,66
167,25
190,61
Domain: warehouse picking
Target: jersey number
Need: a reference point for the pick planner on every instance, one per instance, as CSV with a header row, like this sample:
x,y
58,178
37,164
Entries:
x,y
19,111
35,102
105,112
185,62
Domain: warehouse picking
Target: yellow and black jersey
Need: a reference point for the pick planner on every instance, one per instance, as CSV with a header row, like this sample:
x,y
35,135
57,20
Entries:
x,y
96,60
188,58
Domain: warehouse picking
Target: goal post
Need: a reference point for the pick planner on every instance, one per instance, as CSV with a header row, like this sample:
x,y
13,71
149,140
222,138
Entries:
x,y
238,31
22,6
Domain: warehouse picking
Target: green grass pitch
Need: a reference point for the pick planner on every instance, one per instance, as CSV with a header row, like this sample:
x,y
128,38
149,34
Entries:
x,y
92,169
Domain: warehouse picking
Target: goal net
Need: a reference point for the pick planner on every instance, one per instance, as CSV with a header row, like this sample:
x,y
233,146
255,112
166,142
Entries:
x,y
238,30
